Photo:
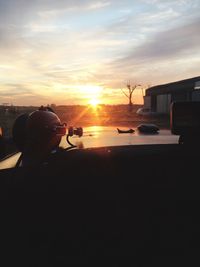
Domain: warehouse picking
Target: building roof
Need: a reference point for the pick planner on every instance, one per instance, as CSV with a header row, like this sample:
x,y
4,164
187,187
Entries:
x,y
179,86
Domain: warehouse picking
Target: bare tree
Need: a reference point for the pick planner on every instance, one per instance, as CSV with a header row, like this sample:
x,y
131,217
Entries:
x,y
129,93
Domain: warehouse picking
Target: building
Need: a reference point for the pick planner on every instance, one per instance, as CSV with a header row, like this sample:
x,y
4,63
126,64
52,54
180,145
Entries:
x,y
159,98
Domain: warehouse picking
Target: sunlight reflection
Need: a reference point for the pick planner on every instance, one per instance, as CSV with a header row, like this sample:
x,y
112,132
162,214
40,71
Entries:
x,y
79,116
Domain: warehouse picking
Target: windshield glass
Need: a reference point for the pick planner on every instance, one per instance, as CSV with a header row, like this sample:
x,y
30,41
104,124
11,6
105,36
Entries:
x,y
100,65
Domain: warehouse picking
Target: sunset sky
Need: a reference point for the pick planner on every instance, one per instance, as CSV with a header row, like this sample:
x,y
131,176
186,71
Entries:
x,y
79,51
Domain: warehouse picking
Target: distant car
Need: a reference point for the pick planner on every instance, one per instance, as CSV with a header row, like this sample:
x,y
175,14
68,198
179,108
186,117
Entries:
x,y
145,111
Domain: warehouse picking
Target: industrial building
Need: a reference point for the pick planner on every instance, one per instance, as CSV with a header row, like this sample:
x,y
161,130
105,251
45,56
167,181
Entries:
x,y
159,98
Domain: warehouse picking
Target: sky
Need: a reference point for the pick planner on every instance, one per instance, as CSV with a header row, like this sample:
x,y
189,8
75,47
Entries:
x,y
81,51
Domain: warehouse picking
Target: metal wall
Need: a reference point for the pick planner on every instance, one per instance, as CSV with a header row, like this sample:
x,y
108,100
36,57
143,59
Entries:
x,y
181,96
147,101
196,95
163,103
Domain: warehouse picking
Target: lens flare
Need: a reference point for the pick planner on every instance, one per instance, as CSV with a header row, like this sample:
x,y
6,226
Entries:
x,y
94,102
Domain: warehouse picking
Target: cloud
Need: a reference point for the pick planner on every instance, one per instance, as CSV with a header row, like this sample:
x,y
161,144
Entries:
x,y
165,56
98,5
171,44
46,47
15,90
21,94
70,7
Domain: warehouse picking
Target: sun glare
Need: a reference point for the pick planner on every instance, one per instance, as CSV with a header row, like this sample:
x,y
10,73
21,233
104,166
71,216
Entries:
x,y
94,102
92,94
93,90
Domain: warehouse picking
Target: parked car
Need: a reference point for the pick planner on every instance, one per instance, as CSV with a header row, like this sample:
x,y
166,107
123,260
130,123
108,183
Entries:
x,y
145,111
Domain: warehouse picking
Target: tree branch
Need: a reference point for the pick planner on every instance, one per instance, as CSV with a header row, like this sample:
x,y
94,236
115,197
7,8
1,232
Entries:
x,y
124,93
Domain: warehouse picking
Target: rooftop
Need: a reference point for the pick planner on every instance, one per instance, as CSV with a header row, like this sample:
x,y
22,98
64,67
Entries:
x,y
183,85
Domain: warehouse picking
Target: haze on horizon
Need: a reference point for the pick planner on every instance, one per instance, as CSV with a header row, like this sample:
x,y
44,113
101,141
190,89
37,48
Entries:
x,y
78,51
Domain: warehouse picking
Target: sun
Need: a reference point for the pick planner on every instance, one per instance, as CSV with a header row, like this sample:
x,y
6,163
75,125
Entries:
x,y
94,102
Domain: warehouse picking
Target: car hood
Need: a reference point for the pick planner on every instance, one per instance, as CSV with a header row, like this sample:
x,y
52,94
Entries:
x,y
102,136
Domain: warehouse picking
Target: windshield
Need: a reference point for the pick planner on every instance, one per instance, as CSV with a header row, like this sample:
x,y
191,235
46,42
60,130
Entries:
x,y
100,65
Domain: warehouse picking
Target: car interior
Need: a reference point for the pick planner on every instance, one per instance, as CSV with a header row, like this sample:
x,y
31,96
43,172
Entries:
x,y
107,206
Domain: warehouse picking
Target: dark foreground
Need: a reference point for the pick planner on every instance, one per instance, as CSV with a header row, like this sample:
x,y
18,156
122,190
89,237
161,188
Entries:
x,y
122,206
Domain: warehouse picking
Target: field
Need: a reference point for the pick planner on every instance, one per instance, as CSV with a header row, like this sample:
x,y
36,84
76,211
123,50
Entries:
x,y
107,115
82,116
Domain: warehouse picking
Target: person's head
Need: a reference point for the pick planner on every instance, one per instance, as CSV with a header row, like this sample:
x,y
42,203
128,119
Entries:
x,y
38,133
41,130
